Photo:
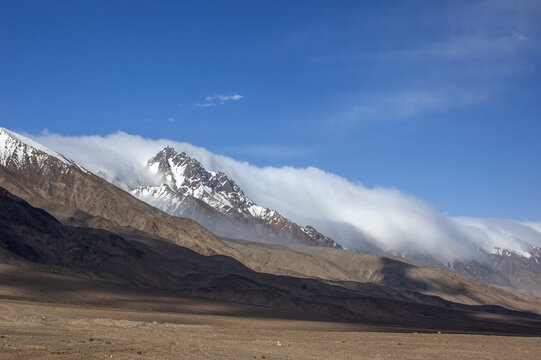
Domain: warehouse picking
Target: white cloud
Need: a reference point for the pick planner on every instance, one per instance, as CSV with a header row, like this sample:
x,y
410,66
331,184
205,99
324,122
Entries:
x,y
534,225
501,233
235,97
476,52
218,99
478,47
349,212
204,105
521,37
170,119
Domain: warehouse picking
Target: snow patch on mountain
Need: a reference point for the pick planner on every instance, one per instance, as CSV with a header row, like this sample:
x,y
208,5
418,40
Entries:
x,y
21,150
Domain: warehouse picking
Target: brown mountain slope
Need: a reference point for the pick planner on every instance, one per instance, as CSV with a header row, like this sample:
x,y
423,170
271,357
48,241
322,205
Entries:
x,y
37,243
66,190
80,198
105,206
335,264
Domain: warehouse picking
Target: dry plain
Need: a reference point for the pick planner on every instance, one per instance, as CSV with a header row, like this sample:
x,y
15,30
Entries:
x,y
200,330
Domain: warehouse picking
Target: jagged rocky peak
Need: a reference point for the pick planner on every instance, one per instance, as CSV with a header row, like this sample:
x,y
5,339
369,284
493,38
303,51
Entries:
x,y
168,157
162,159
169,162
186,177
189,177
222,183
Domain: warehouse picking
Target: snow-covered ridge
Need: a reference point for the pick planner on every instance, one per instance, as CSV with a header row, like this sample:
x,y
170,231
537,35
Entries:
x,y
11,141
507,252
18,148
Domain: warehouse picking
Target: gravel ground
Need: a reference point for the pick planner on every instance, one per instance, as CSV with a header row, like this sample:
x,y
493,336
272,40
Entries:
x,y
46,331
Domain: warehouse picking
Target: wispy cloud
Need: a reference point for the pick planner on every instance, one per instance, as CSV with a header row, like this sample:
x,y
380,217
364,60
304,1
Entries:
x,y
476,53
404,105
477,47
460,72
170,119
218,99
204,105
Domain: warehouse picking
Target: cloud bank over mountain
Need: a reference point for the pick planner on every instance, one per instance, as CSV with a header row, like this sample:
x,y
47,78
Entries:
x,y
349,212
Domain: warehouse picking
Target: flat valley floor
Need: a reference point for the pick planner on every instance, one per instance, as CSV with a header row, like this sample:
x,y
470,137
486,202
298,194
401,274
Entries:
x,y
30,330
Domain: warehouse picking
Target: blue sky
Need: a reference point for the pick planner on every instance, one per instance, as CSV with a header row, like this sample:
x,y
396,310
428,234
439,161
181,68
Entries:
x,y
438,99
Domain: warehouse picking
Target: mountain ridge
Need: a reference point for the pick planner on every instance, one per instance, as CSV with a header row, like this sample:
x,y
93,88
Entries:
x,y
36,245
76,196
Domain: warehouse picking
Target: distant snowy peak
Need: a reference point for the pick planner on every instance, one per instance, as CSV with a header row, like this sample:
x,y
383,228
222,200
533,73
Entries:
x,y
503,237
188,177
184,176
19,151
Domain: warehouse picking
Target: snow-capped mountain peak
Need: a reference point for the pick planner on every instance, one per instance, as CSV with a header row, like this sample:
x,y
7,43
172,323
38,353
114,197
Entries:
x,y
189,177
186,177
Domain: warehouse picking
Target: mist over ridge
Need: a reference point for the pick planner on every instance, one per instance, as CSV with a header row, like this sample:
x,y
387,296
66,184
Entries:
x,y
350,213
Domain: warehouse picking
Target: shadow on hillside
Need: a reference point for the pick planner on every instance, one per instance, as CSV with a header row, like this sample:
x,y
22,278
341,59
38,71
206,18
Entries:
x,y
390,314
